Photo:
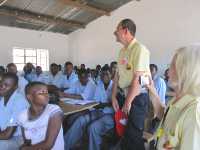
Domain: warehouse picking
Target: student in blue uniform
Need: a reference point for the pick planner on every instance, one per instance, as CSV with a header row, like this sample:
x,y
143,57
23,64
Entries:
x,y
159,82
55,78
81,89
22,82
70,77
39,75
11,104
98,121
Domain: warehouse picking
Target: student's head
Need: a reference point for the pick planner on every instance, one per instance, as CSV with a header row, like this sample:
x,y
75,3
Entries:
x,y
29,67
113,67
105,75
54,68
8,84
38,70
37,93
68,67
126,29
60,67
2,70
98,68
12,68
93,73
83,76
166,74
184,71
82,66
153,69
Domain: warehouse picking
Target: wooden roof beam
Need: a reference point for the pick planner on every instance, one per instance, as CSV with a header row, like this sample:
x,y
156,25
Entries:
x,y
83,5
27,15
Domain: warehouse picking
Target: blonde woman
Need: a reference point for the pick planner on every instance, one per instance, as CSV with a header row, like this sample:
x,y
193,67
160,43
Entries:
x,y
180,120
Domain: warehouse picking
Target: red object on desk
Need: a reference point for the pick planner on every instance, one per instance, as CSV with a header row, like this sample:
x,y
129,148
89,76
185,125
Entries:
x,y
120,120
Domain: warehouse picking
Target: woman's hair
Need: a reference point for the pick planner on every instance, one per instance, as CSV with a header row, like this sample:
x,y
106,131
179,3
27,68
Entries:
x,y
187,64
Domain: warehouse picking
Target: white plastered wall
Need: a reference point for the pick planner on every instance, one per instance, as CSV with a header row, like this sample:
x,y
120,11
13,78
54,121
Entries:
x,y
57,44
162,25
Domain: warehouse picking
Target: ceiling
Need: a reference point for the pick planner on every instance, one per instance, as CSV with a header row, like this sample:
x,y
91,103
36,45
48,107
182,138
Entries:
x,y
59,16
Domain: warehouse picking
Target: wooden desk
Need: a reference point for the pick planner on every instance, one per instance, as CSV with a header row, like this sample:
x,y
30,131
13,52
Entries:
x,y
71,108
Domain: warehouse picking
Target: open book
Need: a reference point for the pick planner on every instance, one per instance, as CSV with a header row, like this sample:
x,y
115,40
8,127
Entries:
x,y
76,101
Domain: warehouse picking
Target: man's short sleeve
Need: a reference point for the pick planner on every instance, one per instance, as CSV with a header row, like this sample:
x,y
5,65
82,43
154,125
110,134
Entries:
x,y
142,59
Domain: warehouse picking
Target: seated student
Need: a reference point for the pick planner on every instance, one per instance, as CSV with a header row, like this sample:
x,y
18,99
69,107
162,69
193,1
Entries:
x,y
39,75
82,66
93,76
55,77
81,89
98,121
29,71
169,92
70,77
113,68
11,104
41,123
2,71
22,82
158,82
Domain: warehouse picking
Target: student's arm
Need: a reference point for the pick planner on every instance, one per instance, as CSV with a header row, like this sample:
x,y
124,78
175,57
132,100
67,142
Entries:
x,y
73,96
7,133
53,129
114,92
69,93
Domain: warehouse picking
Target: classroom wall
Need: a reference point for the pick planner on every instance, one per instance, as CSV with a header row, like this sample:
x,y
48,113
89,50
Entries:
x,y
57,44
162,25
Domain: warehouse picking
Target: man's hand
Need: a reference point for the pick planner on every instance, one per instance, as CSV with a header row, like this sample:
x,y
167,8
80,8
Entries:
x,y
115,104
126,107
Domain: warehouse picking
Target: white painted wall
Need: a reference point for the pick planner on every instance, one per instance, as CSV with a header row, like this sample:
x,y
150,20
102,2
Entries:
x,y
57,44
162,25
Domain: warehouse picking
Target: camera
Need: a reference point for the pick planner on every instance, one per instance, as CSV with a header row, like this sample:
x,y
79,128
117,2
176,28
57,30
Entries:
x,y
143,80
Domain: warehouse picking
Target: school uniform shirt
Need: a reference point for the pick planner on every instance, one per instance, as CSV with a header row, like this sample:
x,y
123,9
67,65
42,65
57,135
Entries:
x,y
181,126
29,76
41,78
68,82
56,80
36,130
160,86
87,91
104,96
9,112
22,82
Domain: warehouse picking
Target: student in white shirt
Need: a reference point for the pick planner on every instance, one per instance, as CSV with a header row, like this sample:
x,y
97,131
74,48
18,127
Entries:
x,y
81,89
41,123
29,71
69,76
55,78
22,82
12,103
39,75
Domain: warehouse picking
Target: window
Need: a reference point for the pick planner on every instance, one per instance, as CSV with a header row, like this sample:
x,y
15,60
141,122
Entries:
x,y
38,57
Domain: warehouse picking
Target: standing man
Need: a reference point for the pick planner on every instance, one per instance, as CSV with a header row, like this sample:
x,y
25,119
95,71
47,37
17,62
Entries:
x,y
133,62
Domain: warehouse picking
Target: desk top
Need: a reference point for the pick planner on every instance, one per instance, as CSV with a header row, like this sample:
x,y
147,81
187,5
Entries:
x,y
71,108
